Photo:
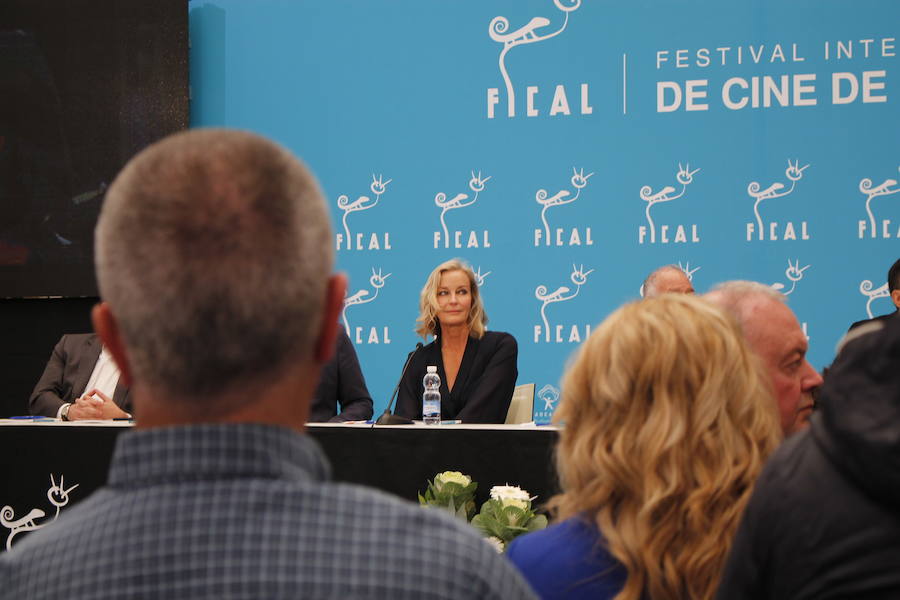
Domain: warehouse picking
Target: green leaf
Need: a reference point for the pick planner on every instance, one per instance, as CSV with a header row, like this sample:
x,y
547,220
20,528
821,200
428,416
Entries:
x,y
538,522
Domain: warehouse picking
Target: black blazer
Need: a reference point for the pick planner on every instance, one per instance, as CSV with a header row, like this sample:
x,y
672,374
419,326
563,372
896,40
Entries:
x,y
483,387
341,382
67,374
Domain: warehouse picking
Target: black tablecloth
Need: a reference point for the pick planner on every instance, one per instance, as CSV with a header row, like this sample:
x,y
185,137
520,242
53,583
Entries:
x,y
394,459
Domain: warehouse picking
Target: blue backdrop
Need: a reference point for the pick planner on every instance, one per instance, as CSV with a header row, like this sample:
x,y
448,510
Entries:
x,y
565,149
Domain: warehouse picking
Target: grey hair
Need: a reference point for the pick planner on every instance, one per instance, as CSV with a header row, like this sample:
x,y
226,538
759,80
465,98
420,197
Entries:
x,y
738,296
213,250
648,288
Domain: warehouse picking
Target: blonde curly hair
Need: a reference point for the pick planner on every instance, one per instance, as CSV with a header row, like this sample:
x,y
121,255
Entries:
x,y
427,323
668,421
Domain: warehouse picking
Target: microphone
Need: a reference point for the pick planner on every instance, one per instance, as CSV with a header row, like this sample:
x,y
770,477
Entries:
x,y
389,418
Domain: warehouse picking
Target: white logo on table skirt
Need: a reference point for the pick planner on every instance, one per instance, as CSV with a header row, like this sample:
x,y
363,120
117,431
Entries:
x,y
359,335
368,240
881,228
866,289
548,399
560,236
668,233
538,29
560,333
685,268
794,274
58,496
774,230
461,239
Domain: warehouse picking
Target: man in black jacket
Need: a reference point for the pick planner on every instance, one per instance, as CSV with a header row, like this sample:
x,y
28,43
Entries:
x,y
824,519
341,383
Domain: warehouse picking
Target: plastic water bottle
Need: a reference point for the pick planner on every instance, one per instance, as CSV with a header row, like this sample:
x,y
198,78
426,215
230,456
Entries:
x,y
431,398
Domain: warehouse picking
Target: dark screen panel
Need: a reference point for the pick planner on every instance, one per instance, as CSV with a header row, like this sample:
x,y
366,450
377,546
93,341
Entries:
x,y
84,85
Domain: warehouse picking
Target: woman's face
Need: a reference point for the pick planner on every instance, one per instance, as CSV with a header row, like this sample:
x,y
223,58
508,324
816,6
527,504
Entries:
x,y
454,298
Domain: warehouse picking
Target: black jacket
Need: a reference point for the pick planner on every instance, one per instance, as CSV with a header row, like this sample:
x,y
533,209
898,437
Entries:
x,y
483,387
341,383
824,519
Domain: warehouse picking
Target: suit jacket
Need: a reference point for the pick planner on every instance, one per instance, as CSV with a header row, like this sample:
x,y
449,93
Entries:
x,y
341,383
67,374
483,387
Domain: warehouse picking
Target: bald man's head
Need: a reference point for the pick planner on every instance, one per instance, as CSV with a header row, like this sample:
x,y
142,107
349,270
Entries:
x,y
667,279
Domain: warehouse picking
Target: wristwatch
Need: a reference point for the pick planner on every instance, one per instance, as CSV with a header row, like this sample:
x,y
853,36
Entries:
x,y
64,413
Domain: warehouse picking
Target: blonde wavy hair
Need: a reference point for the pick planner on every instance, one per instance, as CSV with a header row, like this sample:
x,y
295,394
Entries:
x,y
427,323
668,421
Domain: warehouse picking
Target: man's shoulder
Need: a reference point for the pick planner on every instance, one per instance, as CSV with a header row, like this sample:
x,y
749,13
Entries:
x,y
75,340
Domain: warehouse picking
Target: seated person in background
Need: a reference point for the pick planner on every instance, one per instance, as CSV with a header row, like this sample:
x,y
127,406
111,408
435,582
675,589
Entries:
x,y
824,518
893,284
80,381
774,334
214,258
478,368
341,383
667,279
668,421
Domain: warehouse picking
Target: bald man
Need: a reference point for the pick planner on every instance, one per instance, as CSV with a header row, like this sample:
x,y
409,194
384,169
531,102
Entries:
x,y
665,280
774,334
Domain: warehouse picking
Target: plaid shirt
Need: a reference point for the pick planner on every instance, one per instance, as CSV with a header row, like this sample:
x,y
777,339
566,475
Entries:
x,y
245,511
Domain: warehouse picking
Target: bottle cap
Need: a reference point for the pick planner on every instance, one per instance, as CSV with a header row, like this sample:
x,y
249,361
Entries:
x,y
431,369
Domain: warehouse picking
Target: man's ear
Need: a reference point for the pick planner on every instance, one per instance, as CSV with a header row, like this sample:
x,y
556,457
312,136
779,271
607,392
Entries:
x,y
895,296
108,329
335,291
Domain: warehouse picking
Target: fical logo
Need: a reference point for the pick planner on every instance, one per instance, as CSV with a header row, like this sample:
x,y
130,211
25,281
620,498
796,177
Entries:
x,y
684,176
769,231
794,273
367,241
461,200
538,29
58,496
887,187
364,296
574,238
866,289
480,277
561,294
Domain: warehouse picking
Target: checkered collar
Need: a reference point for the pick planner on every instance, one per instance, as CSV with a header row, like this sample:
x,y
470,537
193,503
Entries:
x,y
215,451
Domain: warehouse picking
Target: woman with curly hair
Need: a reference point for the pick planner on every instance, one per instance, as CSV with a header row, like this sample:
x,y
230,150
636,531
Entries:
x,y
668,421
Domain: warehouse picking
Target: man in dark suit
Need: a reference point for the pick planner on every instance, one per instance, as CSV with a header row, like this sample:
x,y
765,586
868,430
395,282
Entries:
x,y
341,383
80,381
893,282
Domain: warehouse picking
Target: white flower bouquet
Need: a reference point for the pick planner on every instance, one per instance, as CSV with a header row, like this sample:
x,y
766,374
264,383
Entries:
x,y
507,515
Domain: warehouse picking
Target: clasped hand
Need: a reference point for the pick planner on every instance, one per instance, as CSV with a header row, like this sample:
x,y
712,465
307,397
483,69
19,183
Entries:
x,y
95,405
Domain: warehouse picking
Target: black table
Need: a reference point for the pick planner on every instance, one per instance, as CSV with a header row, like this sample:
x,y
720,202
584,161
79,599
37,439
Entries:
x,y
397,460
